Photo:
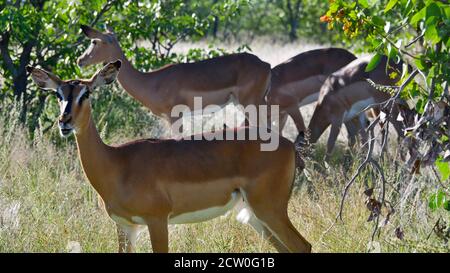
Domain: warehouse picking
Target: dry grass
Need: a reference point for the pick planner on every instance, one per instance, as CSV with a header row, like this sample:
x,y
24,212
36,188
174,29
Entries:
x,y
47,205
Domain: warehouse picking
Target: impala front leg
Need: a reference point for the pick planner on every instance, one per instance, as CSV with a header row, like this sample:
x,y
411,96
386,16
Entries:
x,y
159,234
334,132
127,236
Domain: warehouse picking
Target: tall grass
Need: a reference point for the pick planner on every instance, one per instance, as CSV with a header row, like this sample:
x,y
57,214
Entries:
x,y
47,205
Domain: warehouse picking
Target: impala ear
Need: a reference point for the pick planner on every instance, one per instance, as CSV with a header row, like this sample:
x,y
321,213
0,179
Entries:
x,y
109,29
44,79
106,75
93,33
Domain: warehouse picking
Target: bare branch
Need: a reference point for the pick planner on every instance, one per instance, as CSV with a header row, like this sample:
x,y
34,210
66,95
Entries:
x,y
415,40
366,161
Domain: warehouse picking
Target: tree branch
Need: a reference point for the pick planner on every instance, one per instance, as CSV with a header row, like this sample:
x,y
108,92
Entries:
x,y
107,6
4,42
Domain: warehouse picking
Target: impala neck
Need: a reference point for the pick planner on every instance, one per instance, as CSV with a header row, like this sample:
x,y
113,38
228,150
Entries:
x,y
96,157
136,83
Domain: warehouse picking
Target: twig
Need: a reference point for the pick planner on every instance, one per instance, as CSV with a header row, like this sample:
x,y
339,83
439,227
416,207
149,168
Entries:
x,y
435,225
366,161
415,40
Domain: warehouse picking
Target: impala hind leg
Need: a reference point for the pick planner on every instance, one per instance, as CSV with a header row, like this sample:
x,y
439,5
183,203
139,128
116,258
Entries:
x,y
127,236
297,117
246,216
159,234
352,127
262,229
275,218
284,231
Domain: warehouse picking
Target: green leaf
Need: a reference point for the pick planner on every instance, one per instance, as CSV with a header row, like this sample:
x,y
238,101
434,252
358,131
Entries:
x,y
447,11
418,16
375,42
432,10
373,62
444,169
447,205
378,21
414,92
334,7
420,105
392,51
432,35
420,64
437,200
390,5
363,3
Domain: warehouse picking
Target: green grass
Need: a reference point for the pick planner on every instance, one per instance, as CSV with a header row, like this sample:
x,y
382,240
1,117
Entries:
x,y
46,202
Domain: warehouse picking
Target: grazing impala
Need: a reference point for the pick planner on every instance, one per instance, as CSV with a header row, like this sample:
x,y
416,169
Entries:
x,y
154,183
242,78
297,81
346,93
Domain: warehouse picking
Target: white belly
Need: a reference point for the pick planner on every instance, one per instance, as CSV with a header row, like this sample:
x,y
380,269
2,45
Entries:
x,y
189,217
356,108
206,214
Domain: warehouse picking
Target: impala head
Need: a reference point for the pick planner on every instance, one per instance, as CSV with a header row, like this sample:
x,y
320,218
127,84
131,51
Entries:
x,y
104,47
73,95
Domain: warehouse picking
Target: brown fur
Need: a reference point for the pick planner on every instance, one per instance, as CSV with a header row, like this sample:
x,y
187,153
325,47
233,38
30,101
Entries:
x,y
158,180
243,76
343,89
302,76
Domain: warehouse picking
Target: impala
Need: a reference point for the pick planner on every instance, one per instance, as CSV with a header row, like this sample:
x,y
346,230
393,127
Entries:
x,y
297,82
154,183
347,92
241,78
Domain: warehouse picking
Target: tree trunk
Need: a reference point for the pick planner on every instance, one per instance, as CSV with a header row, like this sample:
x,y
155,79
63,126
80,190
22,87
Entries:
x,y
20,88
292,9
215,23
293,29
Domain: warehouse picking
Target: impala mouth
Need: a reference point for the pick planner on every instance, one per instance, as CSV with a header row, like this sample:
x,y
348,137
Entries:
x,y
65,132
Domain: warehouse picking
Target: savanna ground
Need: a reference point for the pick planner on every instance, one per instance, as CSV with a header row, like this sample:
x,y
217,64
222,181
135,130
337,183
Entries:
x,y
47,204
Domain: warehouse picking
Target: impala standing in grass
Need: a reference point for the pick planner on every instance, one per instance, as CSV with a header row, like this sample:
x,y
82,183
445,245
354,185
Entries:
x,y
297,82
154,183
347,92
241,78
